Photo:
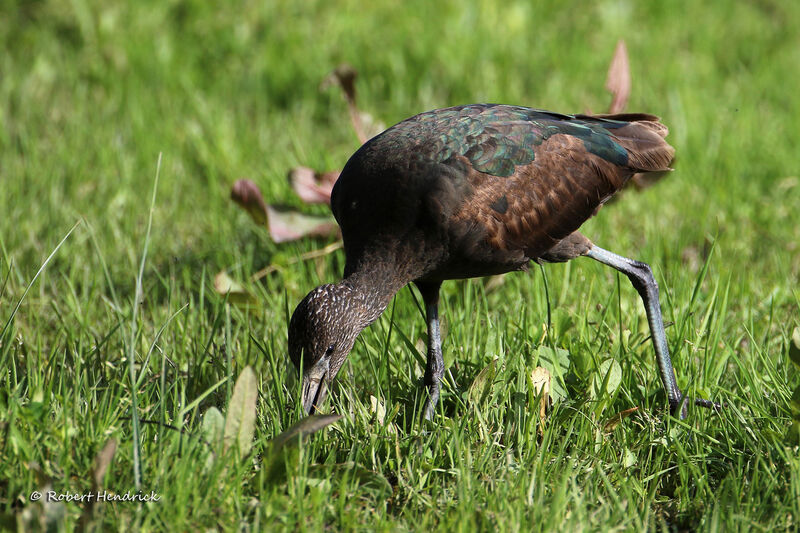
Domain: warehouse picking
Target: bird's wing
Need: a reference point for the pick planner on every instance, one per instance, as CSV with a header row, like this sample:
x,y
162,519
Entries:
x,y
536,176
498,138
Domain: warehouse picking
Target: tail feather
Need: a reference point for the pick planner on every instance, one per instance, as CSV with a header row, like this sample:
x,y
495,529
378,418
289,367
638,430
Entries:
x,y
643,138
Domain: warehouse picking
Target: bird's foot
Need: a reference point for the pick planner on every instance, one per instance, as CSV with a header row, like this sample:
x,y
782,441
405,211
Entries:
x,y
680,407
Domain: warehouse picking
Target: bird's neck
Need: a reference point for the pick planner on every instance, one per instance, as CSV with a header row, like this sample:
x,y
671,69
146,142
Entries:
x,y
372,287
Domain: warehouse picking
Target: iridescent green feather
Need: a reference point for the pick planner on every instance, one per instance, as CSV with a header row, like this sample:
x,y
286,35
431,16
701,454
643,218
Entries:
x,y
496,139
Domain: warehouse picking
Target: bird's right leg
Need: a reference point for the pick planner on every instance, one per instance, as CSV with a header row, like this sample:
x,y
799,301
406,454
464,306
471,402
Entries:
x,y
645,284
434,369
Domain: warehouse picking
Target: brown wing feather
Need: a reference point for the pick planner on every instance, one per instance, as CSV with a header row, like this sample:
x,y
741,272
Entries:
x,y
550,198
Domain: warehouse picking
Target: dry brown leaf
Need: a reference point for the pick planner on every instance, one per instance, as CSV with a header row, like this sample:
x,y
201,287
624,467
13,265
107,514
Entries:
x,y
611,424
99,468
540,379
344,75
247,194
313,254
618,81
363,124
285,224
288,225
313,187
235,291
102,461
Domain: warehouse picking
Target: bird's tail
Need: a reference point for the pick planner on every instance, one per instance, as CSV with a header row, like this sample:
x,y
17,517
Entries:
x,y
643,138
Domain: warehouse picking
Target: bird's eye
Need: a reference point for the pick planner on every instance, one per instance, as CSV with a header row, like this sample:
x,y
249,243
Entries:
x,y
330,349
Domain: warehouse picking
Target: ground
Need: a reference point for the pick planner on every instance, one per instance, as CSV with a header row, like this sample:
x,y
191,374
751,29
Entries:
x,y
94,94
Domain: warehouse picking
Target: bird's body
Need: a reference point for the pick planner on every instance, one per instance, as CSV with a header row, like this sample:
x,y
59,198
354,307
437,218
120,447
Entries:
x,y
471,191
480,190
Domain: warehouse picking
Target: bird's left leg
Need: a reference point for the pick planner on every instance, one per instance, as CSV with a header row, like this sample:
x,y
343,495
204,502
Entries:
x,y
645,284
434,369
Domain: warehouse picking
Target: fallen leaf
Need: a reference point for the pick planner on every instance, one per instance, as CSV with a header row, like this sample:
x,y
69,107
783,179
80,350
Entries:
x,y
101,463
313,187
247,194
240,420
364,125
540,380
618,81
613,421
378,408
329,249
224,285
370,126
288,225
344,75
99,468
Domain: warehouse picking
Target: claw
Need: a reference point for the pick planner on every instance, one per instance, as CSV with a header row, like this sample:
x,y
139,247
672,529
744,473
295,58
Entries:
x,y
680,408
708,404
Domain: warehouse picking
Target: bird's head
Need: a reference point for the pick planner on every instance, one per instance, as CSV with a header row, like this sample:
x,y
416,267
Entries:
x,y
322,332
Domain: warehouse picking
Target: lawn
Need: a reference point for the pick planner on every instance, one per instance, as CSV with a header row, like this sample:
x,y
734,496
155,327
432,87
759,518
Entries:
x,y
133,119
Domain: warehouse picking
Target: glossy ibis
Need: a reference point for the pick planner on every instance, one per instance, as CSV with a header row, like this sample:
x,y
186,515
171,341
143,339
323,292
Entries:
x,y
472,191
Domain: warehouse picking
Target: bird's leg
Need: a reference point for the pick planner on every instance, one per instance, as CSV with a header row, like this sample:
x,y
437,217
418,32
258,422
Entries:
x,y
645,284
434,369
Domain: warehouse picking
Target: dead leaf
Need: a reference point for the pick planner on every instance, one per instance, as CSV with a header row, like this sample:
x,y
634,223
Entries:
x,y
313,187
378,408
370,127
288,225
247,194
618,81
611,424
304,257
235,291
540,380
99,468
102,461
363,124
344,75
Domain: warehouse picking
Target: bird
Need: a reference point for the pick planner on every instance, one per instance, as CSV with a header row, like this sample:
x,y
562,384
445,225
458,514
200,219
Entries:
x,y
469,191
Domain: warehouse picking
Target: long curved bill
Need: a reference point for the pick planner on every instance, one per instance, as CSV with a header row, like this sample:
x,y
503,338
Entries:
x,y
315,386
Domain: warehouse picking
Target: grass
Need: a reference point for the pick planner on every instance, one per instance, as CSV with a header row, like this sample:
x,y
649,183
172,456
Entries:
x,y
94,94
